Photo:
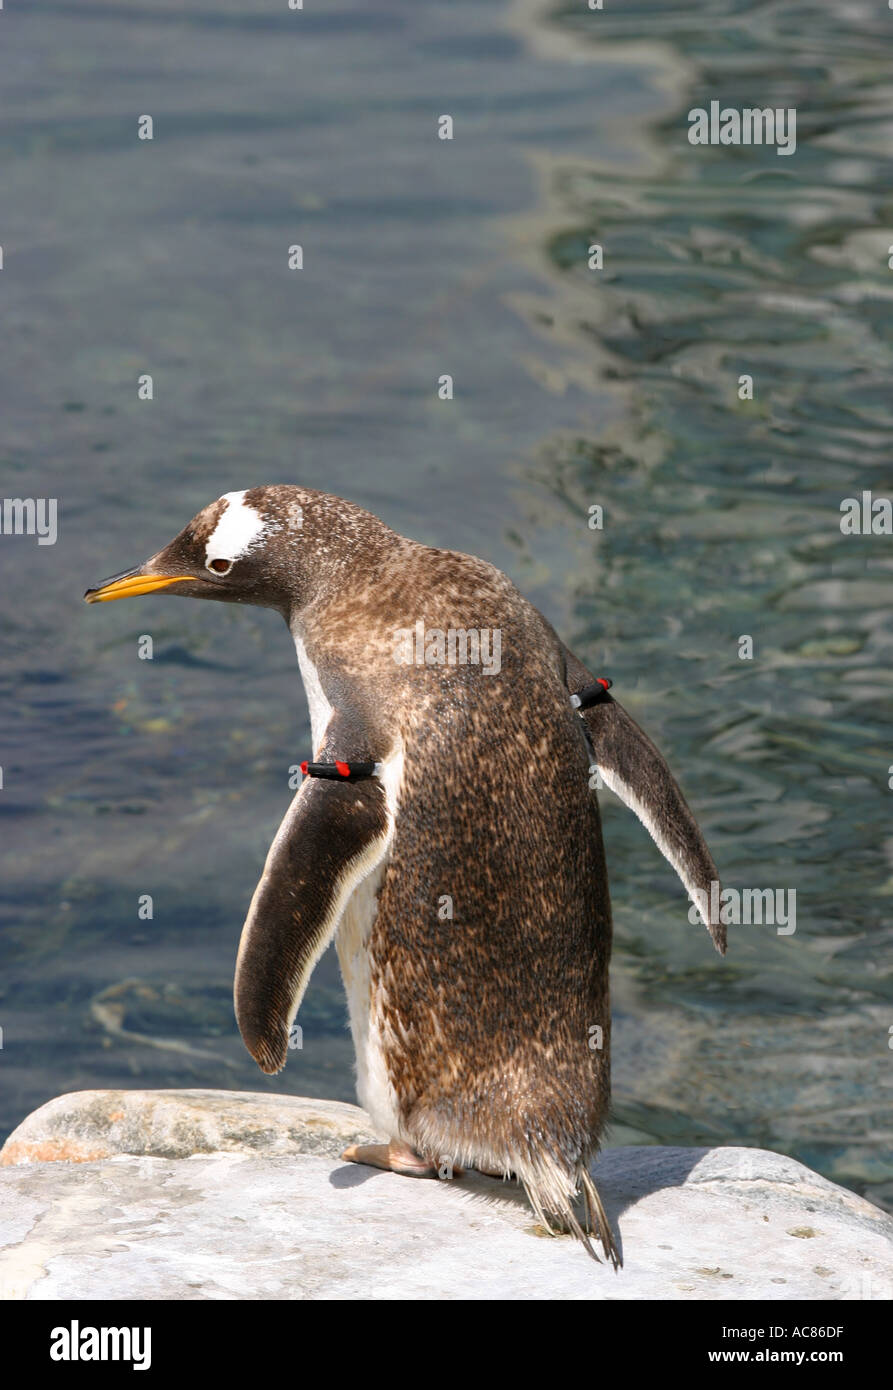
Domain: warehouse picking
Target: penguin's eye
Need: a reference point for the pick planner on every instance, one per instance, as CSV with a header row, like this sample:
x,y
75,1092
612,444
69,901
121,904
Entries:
x,y
220,566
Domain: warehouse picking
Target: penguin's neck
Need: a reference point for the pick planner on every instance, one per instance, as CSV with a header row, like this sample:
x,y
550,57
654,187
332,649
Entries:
x,y
320,708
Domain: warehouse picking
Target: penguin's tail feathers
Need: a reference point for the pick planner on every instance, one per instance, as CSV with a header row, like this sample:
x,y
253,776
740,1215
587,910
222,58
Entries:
x,y
552,1195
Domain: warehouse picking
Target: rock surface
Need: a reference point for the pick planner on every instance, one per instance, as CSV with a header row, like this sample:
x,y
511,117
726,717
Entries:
x,y
87,1125
245,1198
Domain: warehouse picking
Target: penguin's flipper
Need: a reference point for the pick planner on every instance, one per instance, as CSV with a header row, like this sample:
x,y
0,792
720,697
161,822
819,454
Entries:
x,y
634,769
333,835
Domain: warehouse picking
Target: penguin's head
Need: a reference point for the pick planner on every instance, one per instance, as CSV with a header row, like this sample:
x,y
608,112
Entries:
x,y
247,547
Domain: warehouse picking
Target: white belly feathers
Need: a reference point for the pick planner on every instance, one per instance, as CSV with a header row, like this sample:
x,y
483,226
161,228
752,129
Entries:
x,y
374,1089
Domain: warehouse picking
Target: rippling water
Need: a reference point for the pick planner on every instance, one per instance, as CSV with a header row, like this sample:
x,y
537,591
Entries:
x,y
573,387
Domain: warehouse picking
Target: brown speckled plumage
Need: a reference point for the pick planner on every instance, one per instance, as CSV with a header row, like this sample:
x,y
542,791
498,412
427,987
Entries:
x,y
486,1020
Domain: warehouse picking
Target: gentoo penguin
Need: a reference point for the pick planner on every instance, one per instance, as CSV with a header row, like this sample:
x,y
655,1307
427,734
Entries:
x,y
446,837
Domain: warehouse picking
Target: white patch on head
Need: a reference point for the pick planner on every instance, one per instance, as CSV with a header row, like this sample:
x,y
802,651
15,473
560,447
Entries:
x,y
239,529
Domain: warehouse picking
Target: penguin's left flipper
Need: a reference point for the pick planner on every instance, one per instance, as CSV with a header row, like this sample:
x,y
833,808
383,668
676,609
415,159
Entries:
x,y
333,835
634,769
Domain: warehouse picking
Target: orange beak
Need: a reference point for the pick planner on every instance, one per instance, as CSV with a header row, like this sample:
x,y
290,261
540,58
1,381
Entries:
x,y
130,584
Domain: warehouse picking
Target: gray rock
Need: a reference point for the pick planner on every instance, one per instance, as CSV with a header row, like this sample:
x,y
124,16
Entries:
x,y
257,1214
88,1125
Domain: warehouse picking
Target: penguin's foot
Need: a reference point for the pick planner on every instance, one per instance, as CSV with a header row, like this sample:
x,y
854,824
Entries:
x,y
397,1157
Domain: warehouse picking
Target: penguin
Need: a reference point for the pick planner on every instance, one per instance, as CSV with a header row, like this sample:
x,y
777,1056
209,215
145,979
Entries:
x,y
446,837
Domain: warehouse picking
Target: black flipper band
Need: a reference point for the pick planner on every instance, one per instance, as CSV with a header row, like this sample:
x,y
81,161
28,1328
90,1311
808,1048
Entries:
x,y
592,694
341,772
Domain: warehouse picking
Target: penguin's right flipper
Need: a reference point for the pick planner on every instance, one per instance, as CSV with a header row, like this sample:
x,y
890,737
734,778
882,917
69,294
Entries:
x,y
635,770
333,835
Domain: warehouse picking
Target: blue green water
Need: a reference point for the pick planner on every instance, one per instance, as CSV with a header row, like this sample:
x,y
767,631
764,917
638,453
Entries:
x,y
124,777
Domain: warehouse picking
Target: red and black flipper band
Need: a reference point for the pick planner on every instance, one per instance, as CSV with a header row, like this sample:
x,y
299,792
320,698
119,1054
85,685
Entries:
x,y
338,771
592,694
341,772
